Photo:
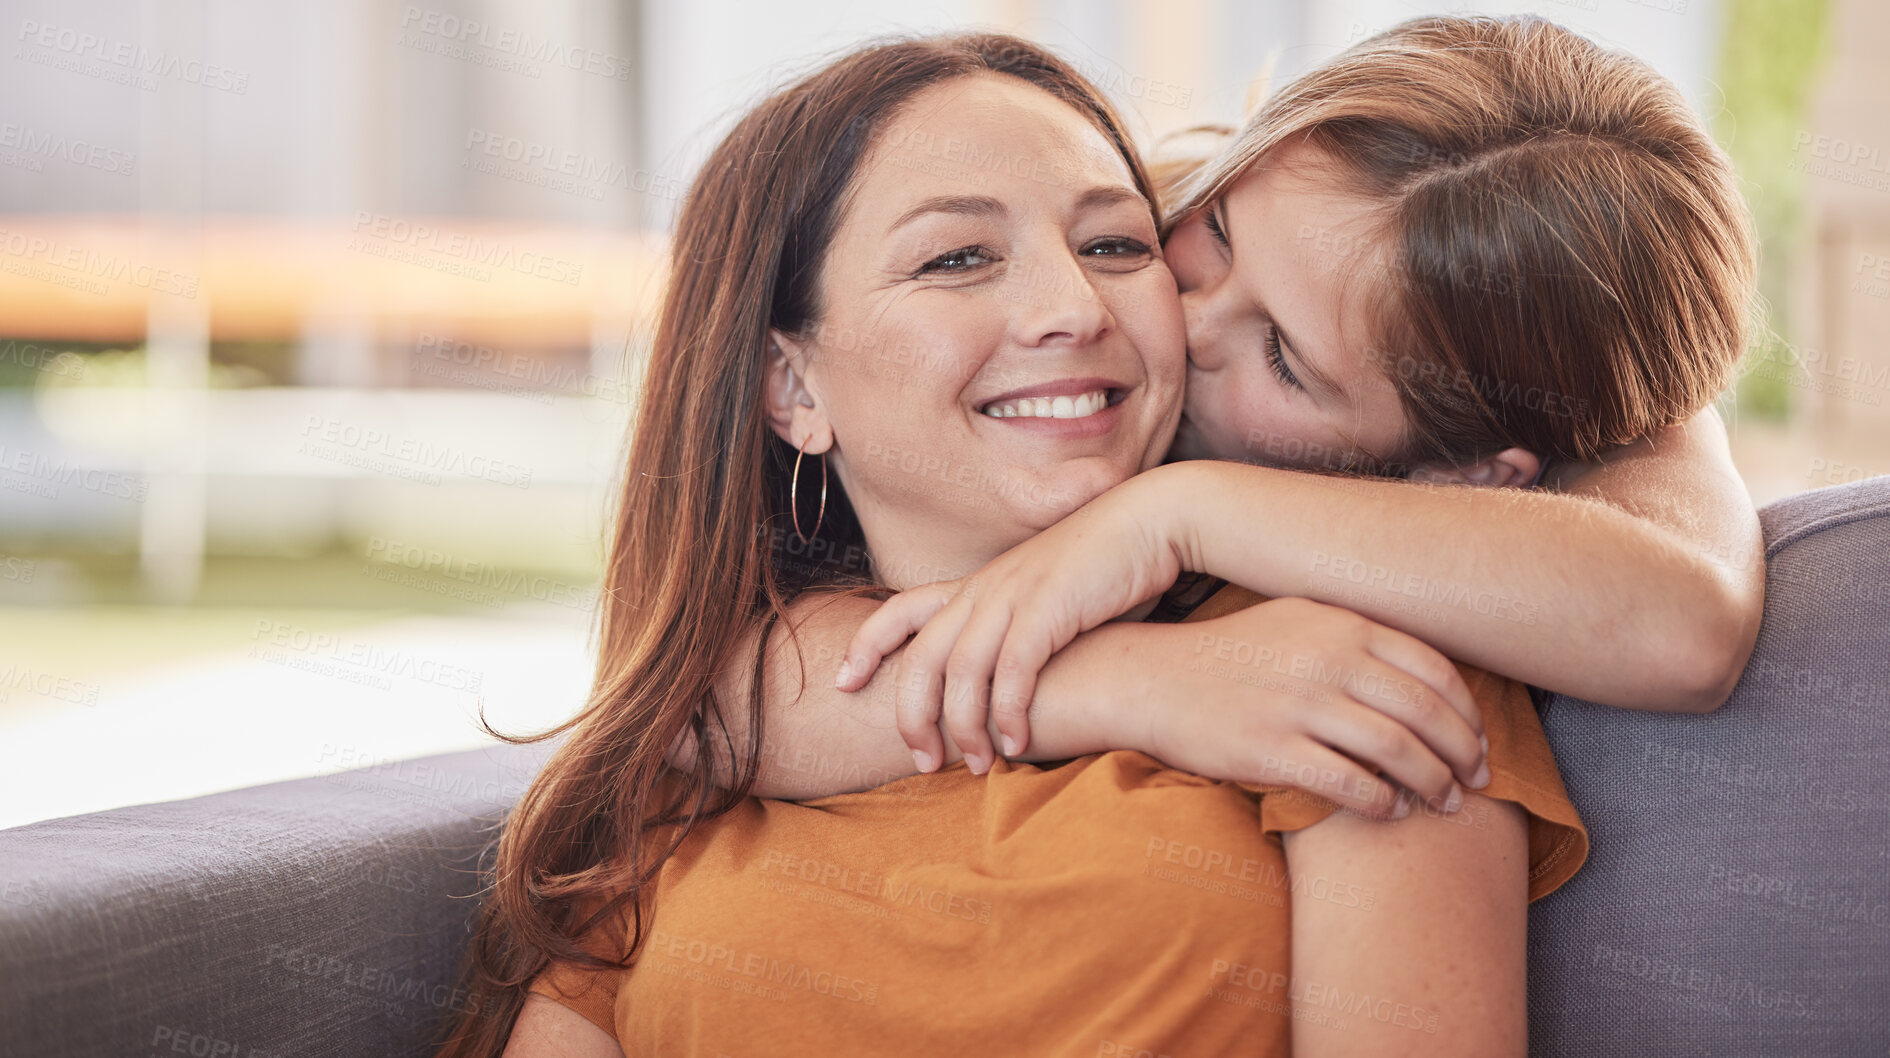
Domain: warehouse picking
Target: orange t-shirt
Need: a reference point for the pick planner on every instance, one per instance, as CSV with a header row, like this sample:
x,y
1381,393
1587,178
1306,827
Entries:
x,y
1109,905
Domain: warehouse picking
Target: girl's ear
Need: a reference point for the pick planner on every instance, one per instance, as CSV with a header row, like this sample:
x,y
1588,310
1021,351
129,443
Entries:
x,y
795,415
1510,468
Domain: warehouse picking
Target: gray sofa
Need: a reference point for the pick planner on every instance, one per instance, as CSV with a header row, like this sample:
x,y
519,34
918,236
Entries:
x,y
1737,901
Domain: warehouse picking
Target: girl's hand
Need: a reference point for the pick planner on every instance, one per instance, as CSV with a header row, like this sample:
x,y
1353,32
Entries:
x,y
982,640
1296,693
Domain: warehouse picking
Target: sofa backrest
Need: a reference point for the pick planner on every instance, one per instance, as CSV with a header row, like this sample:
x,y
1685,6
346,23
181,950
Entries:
x,y
324,916
1736,900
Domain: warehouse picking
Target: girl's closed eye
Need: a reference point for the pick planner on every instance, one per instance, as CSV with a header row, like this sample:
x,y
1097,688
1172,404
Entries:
x,y
1213,223
1276,359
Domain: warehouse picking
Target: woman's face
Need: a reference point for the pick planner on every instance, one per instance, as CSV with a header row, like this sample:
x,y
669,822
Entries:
x,y
1277,283
999,340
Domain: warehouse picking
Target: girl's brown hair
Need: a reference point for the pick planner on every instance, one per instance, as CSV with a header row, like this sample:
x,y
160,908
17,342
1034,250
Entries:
x,y
1571,264
702,551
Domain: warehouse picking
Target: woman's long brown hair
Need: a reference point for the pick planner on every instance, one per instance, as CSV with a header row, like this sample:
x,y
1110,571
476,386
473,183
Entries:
x,y
702,551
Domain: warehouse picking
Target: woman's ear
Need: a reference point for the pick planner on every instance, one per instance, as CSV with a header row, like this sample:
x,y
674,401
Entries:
x,y
796,416
1510,468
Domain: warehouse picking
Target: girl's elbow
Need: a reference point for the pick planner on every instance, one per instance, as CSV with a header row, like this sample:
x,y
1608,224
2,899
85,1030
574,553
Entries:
x,y
1707,664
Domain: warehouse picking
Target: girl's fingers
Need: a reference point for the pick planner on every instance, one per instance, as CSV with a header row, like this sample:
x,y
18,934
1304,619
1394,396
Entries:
x,y
890,626
919,730
1338,778
921,683
1383,745
968,677
1026,650
1428,667
1397,694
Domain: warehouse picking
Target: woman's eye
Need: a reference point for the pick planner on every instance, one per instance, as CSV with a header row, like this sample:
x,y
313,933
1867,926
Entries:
x,y
962,259
1116,246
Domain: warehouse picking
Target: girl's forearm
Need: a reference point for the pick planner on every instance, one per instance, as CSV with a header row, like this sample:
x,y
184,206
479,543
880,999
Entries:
x,y
819,741
1655,609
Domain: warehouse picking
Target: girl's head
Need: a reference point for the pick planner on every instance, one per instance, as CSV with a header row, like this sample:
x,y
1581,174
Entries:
x,y
1467,245
879,264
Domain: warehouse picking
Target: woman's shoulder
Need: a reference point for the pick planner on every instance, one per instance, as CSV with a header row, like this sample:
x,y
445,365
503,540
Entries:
x,y
585,987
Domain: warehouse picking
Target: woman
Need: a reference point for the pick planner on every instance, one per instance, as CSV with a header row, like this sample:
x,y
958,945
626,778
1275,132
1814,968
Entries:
x,y
564,823
769,927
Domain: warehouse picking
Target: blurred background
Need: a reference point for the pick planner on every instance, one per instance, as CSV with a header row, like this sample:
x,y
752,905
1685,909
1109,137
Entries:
x,y
319,325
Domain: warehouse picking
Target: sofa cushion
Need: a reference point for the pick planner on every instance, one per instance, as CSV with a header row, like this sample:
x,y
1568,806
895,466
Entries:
x,y
324,916
1736,899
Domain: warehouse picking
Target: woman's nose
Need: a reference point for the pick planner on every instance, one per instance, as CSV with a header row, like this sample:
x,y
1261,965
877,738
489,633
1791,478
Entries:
x,y
1058,305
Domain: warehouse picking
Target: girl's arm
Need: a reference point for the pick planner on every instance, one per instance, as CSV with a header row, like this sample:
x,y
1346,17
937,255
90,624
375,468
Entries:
x,y
1640,585
1440,953
1288,692
1637,582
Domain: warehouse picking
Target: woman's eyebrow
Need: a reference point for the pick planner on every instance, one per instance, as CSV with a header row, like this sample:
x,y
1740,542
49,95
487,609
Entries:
x,y
1109,195
963,205
986,206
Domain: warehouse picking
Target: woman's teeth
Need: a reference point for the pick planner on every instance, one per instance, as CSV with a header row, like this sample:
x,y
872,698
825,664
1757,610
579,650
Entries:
x,y
1077,407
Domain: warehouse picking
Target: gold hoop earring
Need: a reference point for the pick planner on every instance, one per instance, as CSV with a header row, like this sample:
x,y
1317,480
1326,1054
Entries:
x,y
794,493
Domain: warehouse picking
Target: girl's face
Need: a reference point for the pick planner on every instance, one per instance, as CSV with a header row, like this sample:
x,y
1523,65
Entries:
x,y
999,339
1277,283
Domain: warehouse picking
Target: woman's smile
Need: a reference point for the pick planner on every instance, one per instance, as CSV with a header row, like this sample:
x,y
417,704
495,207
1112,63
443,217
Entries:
x,y
1066,409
